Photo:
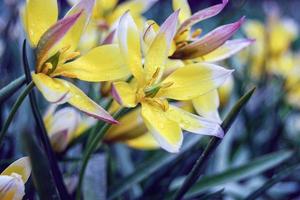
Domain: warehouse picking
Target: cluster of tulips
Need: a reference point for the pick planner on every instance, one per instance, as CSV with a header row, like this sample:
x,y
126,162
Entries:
x,y
148,84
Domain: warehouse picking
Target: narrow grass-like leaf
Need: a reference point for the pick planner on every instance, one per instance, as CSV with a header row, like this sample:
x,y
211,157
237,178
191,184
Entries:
x,y
195,172
252,168
91,147
41,175
42,135
271,182
148,167
11,88
14,109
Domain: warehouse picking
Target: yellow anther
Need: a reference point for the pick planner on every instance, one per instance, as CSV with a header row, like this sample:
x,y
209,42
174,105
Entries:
x,y
182,44
196,33
162,103
64,49
154,77
72,55
166,85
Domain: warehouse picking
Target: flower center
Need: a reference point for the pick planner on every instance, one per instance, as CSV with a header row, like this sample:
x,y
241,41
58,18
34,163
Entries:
x,y
64,55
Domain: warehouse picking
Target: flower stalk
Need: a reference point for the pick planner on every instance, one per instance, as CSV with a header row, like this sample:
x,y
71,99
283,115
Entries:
x,y
42,134
11,88
195,173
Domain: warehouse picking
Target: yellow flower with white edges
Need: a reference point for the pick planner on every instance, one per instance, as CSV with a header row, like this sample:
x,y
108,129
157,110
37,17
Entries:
x,y
13,179
163,120
188,47
56,45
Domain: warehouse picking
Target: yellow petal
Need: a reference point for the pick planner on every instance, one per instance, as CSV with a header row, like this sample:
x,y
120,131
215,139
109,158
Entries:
x,y
74,34
79,100
225,91
48,116
85,123
61,91
129,42
50,88
124,94
21,167
130,126
165,131
194,123
103,63
143,142
193,80
185,10
207,105
256,30
11,187
159,50
37,19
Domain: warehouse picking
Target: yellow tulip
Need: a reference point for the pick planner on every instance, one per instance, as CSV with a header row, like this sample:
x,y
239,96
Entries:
x,y
163,120
13,179
188,48
56,43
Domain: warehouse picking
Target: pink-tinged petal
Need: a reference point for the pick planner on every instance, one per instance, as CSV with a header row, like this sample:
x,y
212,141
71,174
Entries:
x,y
202,15
209,42
82,102
159,50
109,38
51,37
73,36
227,50
194,123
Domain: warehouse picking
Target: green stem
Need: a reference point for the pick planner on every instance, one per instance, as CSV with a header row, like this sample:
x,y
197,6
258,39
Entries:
x,y
42,135
91,148
194,174
11,88
14,109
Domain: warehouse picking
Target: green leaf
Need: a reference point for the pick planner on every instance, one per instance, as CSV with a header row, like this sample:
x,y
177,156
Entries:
x,y
41,175
11,88
148,167
14,109
197,168
252,168
272,181
160,159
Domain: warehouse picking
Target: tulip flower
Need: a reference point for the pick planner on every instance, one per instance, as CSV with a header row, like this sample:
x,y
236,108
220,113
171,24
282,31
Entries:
x,y
56,55
187,47
13,179
105,15
62,132
163,120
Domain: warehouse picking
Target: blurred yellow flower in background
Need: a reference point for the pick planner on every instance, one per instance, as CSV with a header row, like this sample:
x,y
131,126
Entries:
x,y
106,14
